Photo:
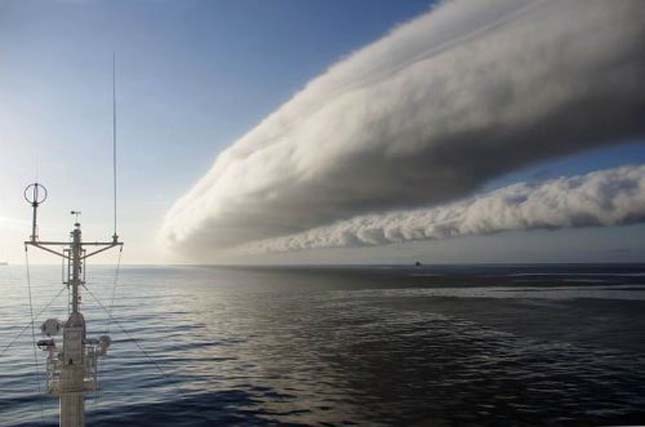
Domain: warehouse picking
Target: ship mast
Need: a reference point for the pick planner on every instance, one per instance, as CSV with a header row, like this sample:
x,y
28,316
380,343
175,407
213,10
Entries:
x,y
72,368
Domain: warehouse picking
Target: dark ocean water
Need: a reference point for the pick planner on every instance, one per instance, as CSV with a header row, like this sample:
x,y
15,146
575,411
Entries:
x,y
450,345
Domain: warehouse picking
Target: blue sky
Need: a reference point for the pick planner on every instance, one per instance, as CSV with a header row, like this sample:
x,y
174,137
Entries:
x,y
193,76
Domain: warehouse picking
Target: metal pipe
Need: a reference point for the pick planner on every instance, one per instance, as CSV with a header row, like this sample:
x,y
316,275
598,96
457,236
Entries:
x,y
76,266
34,236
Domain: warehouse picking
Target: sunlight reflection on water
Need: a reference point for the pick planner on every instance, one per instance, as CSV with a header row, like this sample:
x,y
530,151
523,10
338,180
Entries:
x,y
262,346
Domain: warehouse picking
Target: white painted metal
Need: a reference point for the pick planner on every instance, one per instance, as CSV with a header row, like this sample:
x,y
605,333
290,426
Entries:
x,y
51,327
72,368
72,376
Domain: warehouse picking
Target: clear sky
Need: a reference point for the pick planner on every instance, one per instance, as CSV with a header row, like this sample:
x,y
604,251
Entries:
x,y
193,76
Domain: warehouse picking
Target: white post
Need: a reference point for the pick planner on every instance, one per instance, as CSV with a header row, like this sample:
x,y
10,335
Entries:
x,y
72,379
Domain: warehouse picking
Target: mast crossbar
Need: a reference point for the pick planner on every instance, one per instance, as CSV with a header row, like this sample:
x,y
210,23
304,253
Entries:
x,y
43,246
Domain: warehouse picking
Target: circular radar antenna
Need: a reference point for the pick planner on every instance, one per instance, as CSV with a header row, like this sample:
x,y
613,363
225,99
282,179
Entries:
x,y
35,194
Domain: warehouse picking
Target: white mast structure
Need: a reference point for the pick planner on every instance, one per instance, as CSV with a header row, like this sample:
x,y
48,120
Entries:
x,y
72,367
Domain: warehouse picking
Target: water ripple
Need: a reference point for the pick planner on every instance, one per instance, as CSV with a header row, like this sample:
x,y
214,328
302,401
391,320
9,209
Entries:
x,y
266,347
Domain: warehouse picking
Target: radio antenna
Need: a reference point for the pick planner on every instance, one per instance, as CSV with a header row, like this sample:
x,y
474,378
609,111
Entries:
x,y
114,236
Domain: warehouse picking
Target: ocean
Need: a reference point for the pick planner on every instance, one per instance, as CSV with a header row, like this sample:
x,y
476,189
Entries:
x,y
459,345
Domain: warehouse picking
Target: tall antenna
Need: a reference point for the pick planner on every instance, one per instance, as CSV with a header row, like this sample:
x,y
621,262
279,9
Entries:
x,y
114,236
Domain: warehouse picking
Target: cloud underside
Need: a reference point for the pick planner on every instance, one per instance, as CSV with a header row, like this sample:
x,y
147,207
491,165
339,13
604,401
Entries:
x,y
610,197
425,116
